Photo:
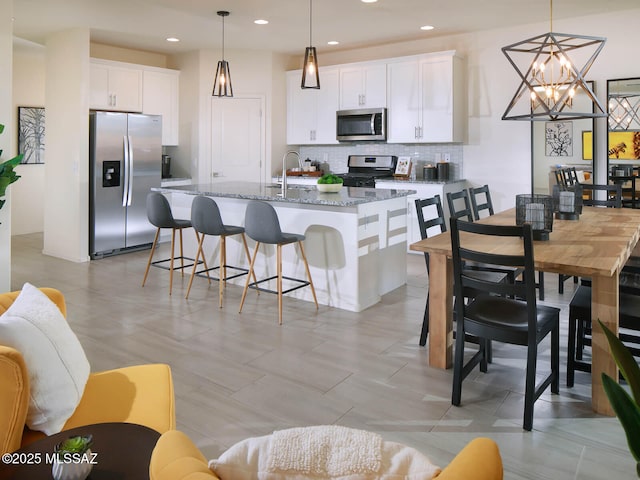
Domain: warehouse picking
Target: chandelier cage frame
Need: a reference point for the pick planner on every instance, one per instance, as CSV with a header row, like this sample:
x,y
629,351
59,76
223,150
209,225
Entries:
x,y
547,51
630,112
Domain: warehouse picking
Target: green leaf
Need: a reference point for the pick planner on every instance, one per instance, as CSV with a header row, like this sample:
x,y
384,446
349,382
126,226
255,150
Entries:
x,y
625,361
1,128
627,411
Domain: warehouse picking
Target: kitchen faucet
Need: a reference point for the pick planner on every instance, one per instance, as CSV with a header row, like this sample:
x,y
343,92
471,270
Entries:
x,y
284,169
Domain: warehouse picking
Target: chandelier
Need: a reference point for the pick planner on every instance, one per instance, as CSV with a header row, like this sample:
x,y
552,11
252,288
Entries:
x,y
623,111
550,78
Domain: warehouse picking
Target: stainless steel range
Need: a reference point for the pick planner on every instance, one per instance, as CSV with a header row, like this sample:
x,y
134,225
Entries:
x,y
364,169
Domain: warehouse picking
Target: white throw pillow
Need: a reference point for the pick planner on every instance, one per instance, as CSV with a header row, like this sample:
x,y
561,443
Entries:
x,y
253,459
58,367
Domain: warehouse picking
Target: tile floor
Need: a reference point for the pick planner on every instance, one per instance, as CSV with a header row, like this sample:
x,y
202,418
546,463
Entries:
x,y
239,375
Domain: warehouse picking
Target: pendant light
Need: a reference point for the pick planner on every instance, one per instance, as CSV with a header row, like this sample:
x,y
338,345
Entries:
x,y
222,81
551,79
310,75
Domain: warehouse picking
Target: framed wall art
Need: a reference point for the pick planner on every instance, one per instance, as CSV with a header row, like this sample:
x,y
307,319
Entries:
x,y
31,134
558,139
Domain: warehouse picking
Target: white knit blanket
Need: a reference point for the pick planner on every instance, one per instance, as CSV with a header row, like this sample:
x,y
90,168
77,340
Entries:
x,y
326,450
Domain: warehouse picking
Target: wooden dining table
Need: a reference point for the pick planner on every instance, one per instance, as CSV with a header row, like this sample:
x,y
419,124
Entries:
x,y
596,246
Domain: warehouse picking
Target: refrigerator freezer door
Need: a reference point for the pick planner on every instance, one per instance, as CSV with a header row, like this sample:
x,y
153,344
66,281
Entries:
x,y
107,215
145,154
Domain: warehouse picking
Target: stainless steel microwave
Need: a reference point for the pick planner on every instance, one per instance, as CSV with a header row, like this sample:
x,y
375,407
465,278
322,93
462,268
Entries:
x,y
365,124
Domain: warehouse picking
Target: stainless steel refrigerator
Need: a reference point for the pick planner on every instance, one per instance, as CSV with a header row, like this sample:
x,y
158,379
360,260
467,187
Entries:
x,y
125,152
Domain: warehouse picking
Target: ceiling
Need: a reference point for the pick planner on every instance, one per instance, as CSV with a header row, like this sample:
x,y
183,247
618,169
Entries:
x,y
145,24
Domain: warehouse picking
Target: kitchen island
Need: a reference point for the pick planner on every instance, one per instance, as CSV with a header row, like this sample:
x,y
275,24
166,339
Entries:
x,y
356,239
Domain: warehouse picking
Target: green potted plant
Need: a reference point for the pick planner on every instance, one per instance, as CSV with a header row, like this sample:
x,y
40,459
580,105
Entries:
x,y
73,459
7,174
626,407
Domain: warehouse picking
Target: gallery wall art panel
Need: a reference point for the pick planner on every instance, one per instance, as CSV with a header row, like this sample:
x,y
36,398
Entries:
x,y
31,134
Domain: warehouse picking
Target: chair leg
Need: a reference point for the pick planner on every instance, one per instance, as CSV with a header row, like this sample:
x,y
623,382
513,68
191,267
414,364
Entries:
x,y
555,359
153,249
306,267
173,242
541,286
571,349
251,272
279,281
458,366
195,264
246,251
530,386
425,324
483,344
181,256
561,279
223,268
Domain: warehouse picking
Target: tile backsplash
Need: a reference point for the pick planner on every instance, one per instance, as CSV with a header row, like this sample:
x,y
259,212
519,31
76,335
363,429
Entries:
x,y
334,157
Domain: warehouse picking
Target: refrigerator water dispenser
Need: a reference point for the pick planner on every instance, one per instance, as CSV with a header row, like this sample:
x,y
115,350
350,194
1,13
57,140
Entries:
x,y
111,173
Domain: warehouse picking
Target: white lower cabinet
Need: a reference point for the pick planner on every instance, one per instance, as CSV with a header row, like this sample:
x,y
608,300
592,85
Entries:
x,y
424,190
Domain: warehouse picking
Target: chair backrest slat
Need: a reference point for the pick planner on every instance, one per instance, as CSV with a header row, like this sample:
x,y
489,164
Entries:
x,y
464,213
479,207
613,195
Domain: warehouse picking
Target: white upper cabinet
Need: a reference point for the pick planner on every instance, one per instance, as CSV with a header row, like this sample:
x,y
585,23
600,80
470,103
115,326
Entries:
x,y
115,87
127,87
160,88
311,113
363,85
426,101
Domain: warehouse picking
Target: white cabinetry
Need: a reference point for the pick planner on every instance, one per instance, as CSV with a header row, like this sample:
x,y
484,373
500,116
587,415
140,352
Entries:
x,y
160,97
424,190
425,96
115,87
311,113
363,85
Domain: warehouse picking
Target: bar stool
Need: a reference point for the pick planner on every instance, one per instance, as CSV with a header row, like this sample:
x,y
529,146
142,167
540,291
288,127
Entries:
x,y
206,220
263,226
160,216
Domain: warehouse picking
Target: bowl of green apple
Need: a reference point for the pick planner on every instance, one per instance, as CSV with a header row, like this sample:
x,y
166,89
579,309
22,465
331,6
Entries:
x,y
329,183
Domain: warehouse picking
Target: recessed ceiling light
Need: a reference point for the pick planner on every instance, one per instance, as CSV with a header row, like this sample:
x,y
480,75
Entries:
x,y
333,42
427,27
368,1
173,39
261,22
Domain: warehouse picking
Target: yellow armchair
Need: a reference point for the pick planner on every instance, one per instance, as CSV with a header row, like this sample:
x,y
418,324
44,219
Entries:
x,y
175,457
140,394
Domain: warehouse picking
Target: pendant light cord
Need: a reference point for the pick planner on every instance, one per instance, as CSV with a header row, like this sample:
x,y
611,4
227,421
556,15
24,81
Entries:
x,y
310,23
223,38
551,15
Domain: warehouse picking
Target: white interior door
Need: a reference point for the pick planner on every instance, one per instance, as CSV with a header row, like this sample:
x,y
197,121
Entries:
x,y
237,139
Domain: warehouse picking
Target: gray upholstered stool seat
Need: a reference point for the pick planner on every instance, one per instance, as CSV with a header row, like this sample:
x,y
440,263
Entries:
x,y
160,216
207,220
262,225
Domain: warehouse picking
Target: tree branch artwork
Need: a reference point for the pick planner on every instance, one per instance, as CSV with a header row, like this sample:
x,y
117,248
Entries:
x,y
558,139
31,134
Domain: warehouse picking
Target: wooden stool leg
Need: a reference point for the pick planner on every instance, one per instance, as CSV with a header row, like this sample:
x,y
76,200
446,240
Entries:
x,y
223,268
153,249
279,282
181,255
204,259
246,251
306,267
246,285
173,242
195,263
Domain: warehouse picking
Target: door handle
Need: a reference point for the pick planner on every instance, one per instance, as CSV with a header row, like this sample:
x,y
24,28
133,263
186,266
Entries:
x,y
130,192
125,167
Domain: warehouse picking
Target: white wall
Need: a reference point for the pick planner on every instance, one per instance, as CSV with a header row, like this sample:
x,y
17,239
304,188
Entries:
x,y
6,55
66,211
27,207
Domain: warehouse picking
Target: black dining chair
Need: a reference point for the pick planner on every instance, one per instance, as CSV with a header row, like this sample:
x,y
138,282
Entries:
x,y
431,221
480,201
579,335
502,312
